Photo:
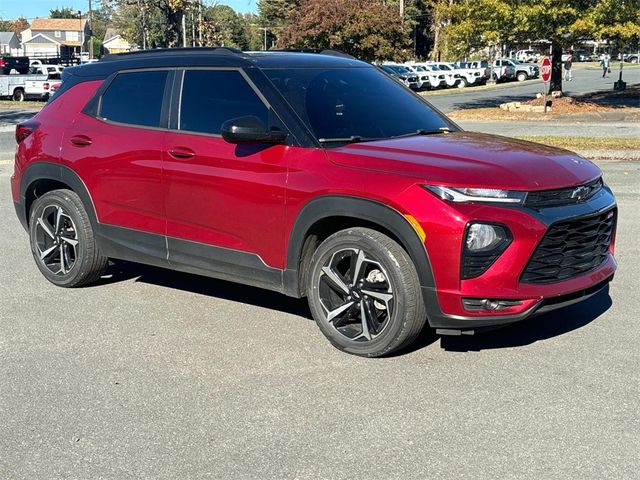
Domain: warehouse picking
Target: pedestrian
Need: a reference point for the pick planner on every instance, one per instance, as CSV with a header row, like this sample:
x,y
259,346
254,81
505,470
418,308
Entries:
x,y
604,63
568,63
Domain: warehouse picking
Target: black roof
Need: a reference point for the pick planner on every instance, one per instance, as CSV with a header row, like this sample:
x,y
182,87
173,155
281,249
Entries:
x,y
215,57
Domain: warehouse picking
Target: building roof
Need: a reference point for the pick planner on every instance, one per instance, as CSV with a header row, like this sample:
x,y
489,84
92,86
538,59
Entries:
x,y
6,37
109,34
58,24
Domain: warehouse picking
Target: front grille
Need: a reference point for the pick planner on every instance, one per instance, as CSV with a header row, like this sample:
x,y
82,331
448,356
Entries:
x,y
571,248
563,196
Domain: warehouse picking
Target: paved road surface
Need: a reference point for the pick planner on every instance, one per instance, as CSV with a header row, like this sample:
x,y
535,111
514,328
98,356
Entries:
x,y
154,374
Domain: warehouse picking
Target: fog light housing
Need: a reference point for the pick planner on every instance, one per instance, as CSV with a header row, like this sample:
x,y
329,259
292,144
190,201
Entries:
x,y
489,304
483,244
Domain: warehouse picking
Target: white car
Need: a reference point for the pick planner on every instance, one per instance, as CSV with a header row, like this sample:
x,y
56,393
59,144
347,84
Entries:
x,y
452,78
428,77
45,69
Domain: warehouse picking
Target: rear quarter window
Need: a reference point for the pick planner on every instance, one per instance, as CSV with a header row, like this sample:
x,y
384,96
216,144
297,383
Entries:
x,y
135,98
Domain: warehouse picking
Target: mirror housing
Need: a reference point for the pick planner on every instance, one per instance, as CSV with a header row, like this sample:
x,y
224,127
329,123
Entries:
x,y
250,129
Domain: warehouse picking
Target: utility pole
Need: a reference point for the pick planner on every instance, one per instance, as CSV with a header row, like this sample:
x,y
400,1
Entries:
x,y
90,32
401,12
265,37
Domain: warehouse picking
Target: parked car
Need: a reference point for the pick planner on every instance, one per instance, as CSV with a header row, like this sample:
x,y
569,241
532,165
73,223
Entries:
x,y
523,71
15,65
630,57
313,175
483,66
431,79
451,76
45,69
503,70
42,88
584,56
407,77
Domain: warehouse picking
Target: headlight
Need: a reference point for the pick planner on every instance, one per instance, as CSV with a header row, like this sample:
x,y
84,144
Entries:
x,y
461,195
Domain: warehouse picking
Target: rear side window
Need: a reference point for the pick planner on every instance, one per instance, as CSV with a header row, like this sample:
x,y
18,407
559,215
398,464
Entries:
x,y
211,97
135,98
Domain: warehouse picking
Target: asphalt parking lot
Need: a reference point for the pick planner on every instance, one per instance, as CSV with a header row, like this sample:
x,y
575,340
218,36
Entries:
x,y
586,78
155,374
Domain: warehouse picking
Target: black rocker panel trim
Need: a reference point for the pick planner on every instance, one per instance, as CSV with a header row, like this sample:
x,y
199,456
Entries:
x,y
223,263
357,208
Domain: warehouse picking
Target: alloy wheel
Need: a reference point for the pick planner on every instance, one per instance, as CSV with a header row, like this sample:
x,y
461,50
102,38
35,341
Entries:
x,y
356,294
56,240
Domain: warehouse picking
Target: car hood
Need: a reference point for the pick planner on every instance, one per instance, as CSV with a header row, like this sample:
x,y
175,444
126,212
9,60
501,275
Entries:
x,y
471,160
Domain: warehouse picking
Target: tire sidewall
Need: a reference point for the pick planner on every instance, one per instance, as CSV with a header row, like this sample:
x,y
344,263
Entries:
x,y
385,341
61,199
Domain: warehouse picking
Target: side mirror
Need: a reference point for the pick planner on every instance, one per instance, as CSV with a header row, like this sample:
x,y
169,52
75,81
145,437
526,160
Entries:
x,y
250,129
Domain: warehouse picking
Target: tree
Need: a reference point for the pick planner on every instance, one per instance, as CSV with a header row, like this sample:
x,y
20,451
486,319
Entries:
x,y
223,27
64,12
558,21
358,27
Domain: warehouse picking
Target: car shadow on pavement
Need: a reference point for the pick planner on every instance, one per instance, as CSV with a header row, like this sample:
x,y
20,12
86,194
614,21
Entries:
x,y
120,271
549,325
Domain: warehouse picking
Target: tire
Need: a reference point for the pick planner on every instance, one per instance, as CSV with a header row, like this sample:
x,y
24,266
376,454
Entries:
x,y
462,83
522,76
386,291
62,240
18,95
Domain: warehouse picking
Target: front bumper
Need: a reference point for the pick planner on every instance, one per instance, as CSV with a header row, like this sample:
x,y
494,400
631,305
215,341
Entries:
x,y
502,280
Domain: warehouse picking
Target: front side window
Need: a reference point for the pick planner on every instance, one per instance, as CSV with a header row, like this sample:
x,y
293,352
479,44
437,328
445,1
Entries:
x,y
135,98
354,102
211,97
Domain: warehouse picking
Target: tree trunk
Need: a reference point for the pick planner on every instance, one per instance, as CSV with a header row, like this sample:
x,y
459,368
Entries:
x,y
555,84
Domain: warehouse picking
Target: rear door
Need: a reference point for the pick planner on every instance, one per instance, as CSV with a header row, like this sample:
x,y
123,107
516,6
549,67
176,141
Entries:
x,y
230,197
118,152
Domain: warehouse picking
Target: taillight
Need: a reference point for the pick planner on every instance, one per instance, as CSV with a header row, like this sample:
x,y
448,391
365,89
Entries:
x,y
45,85
24,129
2,62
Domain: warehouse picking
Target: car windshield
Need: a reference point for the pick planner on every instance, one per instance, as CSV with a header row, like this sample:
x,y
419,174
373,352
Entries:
x,y
355,104
402,69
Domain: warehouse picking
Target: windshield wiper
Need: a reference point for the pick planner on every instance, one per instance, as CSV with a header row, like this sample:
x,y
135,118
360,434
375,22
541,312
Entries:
x,y
351,139
422,131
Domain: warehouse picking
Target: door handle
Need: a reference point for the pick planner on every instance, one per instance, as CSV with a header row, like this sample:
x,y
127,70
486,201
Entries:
x,y
81,141
182,153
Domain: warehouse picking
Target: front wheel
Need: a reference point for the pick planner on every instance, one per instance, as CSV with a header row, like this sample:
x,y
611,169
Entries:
x,y
364,293
62,240
522,76
462,83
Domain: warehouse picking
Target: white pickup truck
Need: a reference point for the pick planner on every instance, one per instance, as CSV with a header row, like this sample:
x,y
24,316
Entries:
x,y
459,77
30,86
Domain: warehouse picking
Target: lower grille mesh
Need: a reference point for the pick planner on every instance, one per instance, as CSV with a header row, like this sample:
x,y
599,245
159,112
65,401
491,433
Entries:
x,y
571,248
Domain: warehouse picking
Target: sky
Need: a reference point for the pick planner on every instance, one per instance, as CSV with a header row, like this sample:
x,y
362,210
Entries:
x,y
12,9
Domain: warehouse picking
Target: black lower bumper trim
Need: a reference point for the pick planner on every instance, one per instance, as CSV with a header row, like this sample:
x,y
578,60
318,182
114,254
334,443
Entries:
x,y
466,325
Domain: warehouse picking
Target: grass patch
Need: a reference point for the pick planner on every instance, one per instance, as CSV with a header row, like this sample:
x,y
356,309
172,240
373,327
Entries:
x,y
586,143
26,103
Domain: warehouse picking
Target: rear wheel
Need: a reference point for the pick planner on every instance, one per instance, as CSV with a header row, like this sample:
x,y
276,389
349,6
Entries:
x,y
364,293
18,95
462,83
62,240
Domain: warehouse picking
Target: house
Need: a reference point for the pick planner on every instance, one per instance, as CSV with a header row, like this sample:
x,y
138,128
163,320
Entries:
x,y
114,43
55,37
9,44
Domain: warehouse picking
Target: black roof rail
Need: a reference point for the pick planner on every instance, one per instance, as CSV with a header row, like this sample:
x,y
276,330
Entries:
x,y
320,51
173,51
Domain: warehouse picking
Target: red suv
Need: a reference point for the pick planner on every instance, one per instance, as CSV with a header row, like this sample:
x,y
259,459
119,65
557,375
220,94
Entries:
x,y
313,175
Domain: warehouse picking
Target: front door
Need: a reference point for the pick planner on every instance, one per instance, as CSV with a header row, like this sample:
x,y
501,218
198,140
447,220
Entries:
x,y
224,203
